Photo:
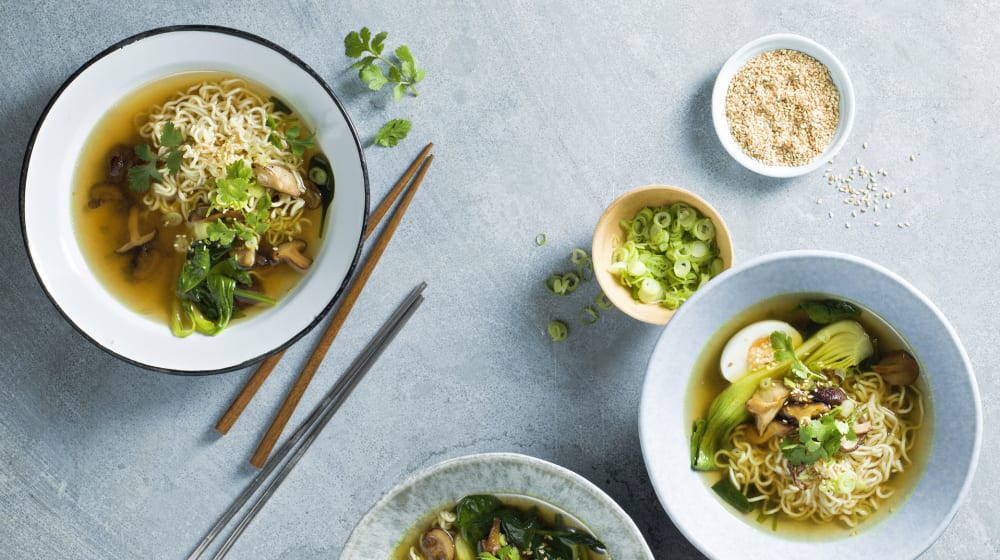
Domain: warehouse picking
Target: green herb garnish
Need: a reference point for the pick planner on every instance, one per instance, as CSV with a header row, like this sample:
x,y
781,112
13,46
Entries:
x,y
818,439
368,50
558,330
141,174
289,128
392,132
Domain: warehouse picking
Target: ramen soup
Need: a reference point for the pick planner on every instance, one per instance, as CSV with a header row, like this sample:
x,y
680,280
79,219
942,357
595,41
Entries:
x,y
809,413
200,198
499,527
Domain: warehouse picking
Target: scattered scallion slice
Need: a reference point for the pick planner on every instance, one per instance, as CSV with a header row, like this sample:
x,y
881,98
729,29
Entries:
x,y
562,284
588,315
603,302
540,239
558,330
669,252
578,256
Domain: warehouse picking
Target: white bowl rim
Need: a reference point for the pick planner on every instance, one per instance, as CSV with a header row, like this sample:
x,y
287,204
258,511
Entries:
x,y
496,457
918,544
206,29
768,43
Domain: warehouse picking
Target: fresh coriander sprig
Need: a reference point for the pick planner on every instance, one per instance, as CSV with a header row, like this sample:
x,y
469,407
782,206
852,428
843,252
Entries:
x,y
288,125
368,50
392,132
140,174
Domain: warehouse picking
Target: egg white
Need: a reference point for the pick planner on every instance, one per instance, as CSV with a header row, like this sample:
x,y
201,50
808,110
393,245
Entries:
x,y
750,348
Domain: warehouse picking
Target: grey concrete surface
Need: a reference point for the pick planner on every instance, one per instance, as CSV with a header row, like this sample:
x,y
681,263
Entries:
x,y
542,113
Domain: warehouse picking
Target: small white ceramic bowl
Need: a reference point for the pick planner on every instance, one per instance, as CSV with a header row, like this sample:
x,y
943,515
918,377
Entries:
x,y
956,417
442,485
47,180
769,43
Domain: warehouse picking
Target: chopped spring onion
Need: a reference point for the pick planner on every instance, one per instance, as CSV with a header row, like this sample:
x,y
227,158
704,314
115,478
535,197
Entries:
x,y
588,315
540,239
558,330
603,302
669,252
584,266
562,284
578,256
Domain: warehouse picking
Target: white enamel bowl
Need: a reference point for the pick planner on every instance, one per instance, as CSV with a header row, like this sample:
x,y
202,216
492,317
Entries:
x,y
665,418
442,485
769,43
47,180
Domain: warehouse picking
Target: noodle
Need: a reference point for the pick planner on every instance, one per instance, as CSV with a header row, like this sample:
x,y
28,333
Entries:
x,y
224,121
895,413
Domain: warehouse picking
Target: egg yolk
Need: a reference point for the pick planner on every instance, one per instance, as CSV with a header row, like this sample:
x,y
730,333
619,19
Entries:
x,y
760,353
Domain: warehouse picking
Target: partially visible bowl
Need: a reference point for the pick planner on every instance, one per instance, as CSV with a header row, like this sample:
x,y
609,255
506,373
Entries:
x,y
442,485
665,419
47,180
608,235
769,43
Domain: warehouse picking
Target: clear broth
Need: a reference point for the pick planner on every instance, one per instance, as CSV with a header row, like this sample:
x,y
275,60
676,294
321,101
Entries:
x,y
707,382
101,230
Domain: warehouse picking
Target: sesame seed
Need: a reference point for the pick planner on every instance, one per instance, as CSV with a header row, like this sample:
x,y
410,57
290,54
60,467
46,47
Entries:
x,y
877,224
865,145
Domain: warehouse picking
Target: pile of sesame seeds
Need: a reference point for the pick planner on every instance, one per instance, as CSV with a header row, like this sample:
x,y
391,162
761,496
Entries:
x,y
863,191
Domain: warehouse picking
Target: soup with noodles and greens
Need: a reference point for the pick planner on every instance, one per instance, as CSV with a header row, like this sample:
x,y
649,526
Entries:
x,y
499,527
199,198
816,416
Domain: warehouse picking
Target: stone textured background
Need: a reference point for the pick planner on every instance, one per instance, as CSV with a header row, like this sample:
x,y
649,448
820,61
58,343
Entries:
x,y
542,112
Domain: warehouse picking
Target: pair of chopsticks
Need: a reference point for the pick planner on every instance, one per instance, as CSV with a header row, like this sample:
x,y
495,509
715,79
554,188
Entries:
x,y
260,456
304,436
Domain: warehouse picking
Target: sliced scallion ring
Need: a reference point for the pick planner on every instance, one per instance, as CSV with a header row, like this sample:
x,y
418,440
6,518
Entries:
x,y
578,256
603,302
540,239
589,315
558,330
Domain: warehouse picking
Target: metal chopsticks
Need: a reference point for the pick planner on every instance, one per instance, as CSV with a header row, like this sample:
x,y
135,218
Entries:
x,y
303,437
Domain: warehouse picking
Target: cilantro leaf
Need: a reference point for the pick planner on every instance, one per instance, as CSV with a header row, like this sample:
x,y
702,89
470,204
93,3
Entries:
x,y
145,152
378,44
354,45
171,137
818,439
392,132
138,179
219,232
235,189
398,91
174,159
373,76
300,145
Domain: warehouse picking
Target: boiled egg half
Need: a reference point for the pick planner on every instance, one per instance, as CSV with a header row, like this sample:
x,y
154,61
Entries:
x,y
750,349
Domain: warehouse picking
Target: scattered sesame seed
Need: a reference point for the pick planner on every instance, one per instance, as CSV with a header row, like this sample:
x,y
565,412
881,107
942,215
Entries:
x,y
847,225
865,145
912,157
877,224
830,213
899,225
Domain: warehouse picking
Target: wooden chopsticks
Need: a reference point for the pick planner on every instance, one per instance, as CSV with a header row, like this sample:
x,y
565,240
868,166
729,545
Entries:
x,y
422,163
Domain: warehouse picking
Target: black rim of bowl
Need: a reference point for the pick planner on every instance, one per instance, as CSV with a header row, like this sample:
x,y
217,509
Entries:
x,y
205,29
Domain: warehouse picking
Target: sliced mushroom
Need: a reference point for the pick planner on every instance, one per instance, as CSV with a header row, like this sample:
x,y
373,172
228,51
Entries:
x,y
135,239
898,368
201,214
292,253
437,544
246,256
102,193
491,543
312,196
800,411
774,429
119,161
144,262
279,177
765,404
860,430
832,396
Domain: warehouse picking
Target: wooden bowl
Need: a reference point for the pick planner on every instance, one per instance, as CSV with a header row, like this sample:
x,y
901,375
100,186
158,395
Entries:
x,y
609,235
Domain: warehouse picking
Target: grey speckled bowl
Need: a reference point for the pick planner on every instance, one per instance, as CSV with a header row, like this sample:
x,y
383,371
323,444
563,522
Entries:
x,y
443,484
665,424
